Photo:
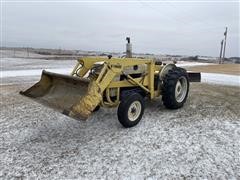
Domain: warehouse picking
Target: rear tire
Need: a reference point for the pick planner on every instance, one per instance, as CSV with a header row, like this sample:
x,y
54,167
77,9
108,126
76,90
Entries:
x,y
175,88
130,110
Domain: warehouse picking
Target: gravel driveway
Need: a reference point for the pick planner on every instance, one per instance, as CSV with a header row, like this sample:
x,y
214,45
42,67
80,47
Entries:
x,y
202,139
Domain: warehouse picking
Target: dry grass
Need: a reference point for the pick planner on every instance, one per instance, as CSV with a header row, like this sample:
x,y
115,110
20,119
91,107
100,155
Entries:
x,y
233,69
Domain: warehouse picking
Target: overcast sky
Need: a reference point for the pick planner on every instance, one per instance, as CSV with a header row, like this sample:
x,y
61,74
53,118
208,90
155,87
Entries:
x,y
190,28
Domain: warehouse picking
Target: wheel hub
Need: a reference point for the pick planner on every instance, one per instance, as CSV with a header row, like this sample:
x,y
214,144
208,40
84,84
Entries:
x,y
134,111
181,89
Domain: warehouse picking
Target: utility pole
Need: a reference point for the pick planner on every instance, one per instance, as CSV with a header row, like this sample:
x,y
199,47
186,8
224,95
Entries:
x,y
220,56
27,52
225,40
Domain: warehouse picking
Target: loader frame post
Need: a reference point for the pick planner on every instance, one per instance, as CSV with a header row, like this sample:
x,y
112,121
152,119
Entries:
x,y
151,71
105,77
113,68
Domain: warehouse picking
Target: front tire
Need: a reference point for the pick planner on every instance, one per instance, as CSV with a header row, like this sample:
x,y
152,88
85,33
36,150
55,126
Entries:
x,y
175,88
96,108
130,110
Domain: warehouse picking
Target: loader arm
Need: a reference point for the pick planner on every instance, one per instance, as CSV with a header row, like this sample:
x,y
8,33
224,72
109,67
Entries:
x,y
84,107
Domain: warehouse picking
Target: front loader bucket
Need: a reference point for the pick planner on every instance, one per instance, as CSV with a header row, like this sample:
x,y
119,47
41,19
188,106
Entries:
x,y
73,96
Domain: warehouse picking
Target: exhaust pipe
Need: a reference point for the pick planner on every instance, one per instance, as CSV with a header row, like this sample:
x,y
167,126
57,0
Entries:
x,y
128,48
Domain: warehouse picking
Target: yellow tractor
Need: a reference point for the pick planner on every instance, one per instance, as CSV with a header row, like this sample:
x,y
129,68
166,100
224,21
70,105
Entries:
x,y
113,82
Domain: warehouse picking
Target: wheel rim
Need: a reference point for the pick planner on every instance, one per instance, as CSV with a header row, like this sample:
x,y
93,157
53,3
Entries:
x,y
134,111
181,89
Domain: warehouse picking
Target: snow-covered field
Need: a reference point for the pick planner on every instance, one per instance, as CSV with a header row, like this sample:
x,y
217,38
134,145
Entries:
x,y
32,72
213,78
222,79
14,67
188,64
198,141
8,64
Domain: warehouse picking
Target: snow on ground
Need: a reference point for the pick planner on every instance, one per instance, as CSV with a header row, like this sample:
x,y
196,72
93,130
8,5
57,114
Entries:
x,y
189,64
221,79
198,141
8,64
19,53
20,70
224,79
33,72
